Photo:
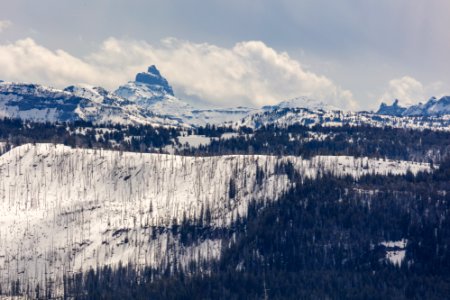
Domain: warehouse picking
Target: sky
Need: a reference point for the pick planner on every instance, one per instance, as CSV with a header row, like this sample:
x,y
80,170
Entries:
x,y
352,54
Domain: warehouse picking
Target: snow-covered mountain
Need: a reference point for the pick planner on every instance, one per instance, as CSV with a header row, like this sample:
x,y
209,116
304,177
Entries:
x,y
148,88
45,104
153,92
63,210
432,108
391,110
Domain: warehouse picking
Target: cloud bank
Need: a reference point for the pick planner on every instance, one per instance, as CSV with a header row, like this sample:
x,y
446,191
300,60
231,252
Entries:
x,y
249,73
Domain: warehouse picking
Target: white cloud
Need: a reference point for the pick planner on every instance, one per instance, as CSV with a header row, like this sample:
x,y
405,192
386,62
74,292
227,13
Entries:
x,y
4,24
407,90
410,91
250,73
27,61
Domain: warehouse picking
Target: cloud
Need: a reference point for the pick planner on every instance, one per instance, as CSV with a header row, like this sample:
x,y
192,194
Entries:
x,y
410,91
4,24
249,73
27,61
406,89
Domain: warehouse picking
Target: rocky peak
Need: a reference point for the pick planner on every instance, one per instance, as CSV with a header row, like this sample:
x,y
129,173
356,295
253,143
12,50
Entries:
x,y
154,78
391,110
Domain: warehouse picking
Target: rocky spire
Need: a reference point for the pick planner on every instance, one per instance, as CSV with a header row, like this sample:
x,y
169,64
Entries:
x,y
153,78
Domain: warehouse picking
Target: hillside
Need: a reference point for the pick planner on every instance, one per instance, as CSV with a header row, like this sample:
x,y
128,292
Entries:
x,y
64,210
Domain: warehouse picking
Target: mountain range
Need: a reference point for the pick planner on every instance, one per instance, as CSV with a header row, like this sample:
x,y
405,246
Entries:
x,y
150,99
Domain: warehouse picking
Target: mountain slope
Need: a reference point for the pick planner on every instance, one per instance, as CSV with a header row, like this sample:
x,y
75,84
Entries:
x,y
64,210
152,91
147,89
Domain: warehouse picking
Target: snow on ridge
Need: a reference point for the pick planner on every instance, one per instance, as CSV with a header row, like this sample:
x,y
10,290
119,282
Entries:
x,y
74,208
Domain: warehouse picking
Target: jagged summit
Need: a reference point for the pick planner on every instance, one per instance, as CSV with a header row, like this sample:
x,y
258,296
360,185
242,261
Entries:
x,y
391,110
152,92
148,88
154,78
432,107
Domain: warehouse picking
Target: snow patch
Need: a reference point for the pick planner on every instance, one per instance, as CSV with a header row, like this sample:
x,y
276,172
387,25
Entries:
x,y
194,140
395,251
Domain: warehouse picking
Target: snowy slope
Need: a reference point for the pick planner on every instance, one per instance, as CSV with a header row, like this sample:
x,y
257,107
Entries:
x,y
63,209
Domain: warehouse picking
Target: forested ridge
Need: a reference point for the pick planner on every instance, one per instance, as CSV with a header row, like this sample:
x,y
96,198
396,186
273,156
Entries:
x,y
360,141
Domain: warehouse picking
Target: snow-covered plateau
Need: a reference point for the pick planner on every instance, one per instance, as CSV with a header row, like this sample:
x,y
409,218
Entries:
x,y
63,210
